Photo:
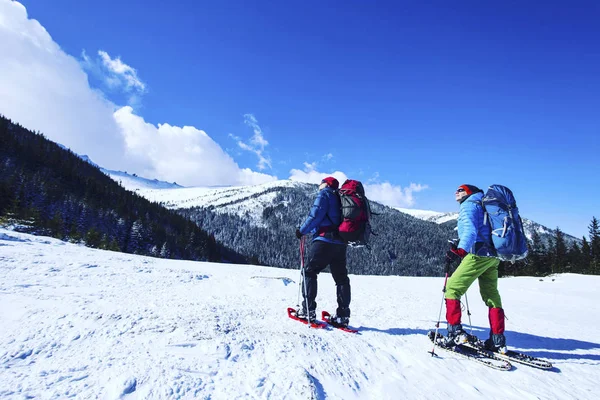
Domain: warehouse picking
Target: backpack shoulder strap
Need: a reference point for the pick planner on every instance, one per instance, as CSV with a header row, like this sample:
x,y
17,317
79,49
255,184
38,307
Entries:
x,y
485,213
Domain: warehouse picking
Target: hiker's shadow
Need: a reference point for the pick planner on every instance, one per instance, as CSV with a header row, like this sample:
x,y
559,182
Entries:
x,y
533,345
546,347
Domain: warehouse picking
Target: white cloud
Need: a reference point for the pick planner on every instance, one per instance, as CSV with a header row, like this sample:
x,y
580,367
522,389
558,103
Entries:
x,y
311,175
116,75
186,155
384,193
122,71
393,196
257,142
45,89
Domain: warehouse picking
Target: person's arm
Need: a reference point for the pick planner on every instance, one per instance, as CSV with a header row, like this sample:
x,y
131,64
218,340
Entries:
x,y
467,226
317,213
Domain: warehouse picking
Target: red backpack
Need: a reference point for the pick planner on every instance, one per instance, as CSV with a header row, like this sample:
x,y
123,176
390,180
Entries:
x,y
355,228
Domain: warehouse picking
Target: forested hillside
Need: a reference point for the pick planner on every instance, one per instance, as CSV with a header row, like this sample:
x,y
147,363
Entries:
x,y
403,245
45,189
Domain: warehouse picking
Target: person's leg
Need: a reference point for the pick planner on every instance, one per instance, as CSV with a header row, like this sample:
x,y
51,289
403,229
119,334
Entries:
x,y
488,282
318,260
456,287
488,287
339,273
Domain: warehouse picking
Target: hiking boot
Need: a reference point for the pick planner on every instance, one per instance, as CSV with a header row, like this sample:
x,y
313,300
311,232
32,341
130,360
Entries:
x,y
496,343
340,321
456,335
312,314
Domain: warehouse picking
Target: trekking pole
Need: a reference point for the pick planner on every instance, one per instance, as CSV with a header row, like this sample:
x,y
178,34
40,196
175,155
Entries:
x,y
437,325
301,269
469,314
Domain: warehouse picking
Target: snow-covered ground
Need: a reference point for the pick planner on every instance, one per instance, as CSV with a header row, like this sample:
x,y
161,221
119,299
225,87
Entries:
x,y
84,323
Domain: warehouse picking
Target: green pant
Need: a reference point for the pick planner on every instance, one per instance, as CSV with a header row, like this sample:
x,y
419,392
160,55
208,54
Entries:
x,y
471,268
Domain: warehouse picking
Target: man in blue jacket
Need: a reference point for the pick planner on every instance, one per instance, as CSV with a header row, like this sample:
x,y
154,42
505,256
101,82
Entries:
x,y
476,253
327,249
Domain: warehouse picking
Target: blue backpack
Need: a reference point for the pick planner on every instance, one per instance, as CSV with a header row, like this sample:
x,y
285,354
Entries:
x,y
502,213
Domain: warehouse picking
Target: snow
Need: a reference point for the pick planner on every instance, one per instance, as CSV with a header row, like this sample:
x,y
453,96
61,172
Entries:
x,y
421,214
210,196
443,218
85,323
247,202
135,183
432,216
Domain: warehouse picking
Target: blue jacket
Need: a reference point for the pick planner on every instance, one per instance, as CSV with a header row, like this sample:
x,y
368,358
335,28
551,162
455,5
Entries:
x,y
325,216
475,236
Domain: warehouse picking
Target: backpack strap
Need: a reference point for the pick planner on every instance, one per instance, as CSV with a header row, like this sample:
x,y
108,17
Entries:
x,y
485,214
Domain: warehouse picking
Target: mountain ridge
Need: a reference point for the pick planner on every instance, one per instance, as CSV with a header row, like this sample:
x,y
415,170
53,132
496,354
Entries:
x,y
203,196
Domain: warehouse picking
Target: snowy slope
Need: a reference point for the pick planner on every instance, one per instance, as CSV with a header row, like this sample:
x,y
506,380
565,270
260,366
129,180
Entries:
x,y
245,201
421,214
211,196
84,323
134,182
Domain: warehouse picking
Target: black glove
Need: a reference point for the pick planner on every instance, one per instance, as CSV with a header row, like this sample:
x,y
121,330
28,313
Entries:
x,y
451,257
298,234
454,256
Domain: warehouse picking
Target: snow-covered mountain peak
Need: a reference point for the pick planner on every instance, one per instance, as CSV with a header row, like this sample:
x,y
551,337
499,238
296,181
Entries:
x,y
421,214
431,216
135,182
245,201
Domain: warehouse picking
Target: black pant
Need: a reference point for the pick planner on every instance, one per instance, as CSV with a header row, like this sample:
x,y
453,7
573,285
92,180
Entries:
x,y
321,255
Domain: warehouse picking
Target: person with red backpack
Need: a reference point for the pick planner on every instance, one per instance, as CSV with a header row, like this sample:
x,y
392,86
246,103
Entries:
x,y
327,249
477,256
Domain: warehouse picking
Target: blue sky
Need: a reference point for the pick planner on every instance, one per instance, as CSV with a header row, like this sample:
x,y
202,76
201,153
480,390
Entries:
x,y
393,93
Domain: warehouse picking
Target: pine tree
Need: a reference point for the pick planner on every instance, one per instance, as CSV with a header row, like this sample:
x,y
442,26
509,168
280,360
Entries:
x,y
56,225
560,251
93,238
114,245
574,259
135,237
594,230
5,198
536,258
586,257
164,251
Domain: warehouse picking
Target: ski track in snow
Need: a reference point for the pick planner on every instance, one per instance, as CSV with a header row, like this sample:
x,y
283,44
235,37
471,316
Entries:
x,y
83,323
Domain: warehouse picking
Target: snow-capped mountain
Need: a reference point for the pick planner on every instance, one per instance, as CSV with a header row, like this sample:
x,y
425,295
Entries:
x,y
259,221
252,200
243,201
82,323
421,214
431,216
134,182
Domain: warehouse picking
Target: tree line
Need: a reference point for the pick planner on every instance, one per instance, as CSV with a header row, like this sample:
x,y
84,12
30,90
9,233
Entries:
x,y
556,255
